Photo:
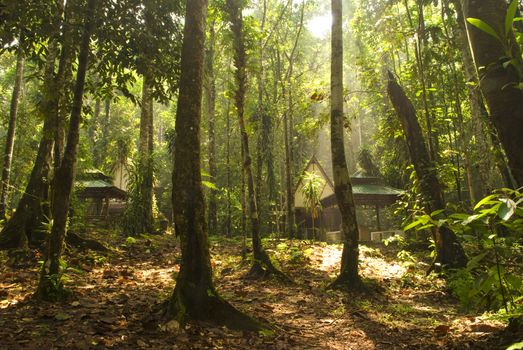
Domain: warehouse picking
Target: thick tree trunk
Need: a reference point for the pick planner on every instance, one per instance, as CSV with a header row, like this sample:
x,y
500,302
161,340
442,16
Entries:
x,y
348,277
30,212
194,296
50,287
10,137
449,251
211,115
499,84
262,264
481,124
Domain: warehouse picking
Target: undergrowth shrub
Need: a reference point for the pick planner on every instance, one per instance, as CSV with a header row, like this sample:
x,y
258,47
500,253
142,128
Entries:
x,y
492,235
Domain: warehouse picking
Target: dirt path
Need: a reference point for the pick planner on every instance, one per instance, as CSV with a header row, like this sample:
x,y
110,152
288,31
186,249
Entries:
x,y
114,297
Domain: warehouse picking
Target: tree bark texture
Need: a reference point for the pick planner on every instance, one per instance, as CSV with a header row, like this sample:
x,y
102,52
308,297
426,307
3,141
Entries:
x,y
194,296
49,287
211,117
449,251
348,276
11,129
499,83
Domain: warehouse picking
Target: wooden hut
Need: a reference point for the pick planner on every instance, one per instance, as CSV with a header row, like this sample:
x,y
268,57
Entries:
x,y
371,196
102,198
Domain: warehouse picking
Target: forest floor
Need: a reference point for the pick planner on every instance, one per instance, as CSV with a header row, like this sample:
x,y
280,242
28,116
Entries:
x,y
115,295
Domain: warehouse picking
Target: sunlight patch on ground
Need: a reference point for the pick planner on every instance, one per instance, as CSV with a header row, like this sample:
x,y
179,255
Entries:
x,y
162,275
330,258
382,268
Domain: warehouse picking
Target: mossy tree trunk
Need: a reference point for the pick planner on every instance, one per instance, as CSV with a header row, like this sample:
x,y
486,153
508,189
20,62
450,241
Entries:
x,y
50,287
10,137
449,252
499,82
194,296
262,265
348,277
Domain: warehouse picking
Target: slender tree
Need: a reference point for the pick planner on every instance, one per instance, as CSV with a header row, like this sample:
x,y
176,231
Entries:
x,y
348,276
11,129
262,265
49,287
194,296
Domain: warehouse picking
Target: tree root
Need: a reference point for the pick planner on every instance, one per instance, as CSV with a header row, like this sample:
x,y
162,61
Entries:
x,y
344,283
263,268
207,306
78,241
13,235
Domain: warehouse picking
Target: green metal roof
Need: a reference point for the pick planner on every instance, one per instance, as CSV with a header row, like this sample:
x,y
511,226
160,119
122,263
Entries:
x,y
94,184
375,189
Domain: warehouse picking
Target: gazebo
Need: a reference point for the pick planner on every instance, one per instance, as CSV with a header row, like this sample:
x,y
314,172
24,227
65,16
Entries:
x,y
371,196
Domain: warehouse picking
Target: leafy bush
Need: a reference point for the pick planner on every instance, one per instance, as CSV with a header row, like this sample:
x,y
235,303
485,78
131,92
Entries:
x,y
493,238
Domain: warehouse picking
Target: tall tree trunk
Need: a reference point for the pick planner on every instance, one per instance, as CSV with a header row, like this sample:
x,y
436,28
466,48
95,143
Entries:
x,y
262,264
10,137
481,123
211,117
449,251
499,84
29,215
50,286
348,277
288,131
142,216
194,296
63,78
228,218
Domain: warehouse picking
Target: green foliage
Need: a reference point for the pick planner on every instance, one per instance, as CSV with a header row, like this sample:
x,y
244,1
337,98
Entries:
x,y
493,237
312,186
140,208
516,346
505,38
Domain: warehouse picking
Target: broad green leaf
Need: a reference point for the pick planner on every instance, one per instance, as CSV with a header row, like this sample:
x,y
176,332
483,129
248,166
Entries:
x,y
506,209
210,185
469,219
516,346
412,225
437,212
483,26
509,18
484,201
459,216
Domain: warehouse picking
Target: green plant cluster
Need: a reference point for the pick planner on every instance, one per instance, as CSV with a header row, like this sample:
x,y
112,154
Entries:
x,y
493,237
